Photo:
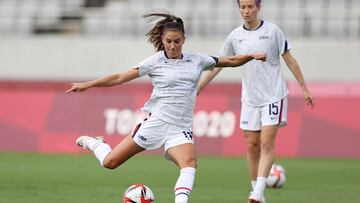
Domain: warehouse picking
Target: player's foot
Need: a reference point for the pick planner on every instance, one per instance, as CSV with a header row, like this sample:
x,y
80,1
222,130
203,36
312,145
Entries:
x,y
253,201
88,142
262,200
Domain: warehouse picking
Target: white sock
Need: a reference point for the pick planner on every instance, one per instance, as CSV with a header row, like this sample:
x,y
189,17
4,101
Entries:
x,y
101,151
184,184
92,144
253,183
258,192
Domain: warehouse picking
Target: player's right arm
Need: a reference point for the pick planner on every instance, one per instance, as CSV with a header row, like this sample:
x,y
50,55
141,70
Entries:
x,y
239,60
107,81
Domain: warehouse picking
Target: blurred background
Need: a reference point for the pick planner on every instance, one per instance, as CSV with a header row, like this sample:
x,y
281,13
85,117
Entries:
x,y
45,45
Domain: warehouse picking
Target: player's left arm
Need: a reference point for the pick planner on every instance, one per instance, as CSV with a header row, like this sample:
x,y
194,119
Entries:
x,y
296,71
238,60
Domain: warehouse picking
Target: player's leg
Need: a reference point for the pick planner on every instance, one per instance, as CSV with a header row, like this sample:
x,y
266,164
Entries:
x,y
121,153
268,135
184,156
272,116
252,139
107,157
251,126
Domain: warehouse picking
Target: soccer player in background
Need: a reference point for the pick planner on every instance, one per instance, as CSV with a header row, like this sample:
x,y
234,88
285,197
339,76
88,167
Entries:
x,y
264,92
174,75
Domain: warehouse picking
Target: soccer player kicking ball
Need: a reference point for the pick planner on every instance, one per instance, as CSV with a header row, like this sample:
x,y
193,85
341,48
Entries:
x,y
174,75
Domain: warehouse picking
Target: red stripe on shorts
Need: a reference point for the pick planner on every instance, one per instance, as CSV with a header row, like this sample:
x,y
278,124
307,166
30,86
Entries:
x,y
135,130
138,126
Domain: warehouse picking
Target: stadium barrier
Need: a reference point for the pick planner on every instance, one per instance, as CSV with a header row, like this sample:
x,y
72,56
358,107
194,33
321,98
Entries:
x,y
41,117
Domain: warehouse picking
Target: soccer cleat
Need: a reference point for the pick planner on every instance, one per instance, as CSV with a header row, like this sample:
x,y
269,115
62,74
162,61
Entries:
x,y
88,142
253,199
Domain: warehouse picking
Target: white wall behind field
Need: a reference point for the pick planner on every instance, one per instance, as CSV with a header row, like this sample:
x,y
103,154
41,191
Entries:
x,y
73,58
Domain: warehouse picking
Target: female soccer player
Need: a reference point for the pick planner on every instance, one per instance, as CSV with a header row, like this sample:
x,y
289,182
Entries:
x,y
174,75
264,93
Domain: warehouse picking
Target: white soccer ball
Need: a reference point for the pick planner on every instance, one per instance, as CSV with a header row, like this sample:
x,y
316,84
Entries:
x,y
277,177
138,193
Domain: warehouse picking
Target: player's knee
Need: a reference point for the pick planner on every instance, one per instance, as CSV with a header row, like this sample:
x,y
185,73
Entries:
x,y
253,147
188,162
110,163
267,147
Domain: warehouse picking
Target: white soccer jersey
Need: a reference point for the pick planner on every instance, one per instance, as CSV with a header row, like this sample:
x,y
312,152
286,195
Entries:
x,y
262,82
175,85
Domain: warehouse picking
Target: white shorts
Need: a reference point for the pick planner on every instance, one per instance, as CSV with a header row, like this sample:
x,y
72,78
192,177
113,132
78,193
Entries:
x,y
254,117
153,133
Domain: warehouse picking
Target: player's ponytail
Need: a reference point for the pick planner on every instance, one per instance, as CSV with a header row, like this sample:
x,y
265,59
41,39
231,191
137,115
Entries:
x,y
169,22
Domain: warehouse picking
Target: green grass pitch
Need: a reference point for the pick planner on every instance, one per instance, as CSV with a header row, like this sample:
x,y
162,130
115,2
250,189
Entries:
x,y
38,178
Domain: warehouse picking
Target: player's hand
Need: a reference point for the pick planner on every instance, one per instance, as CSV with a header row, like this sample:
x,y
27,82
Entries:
x,y
78,87
259,56
310,101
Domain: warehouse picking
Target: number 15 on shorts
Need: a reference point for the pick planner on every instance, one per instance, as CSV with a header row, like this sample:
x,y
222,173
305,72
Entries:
x,y
188,135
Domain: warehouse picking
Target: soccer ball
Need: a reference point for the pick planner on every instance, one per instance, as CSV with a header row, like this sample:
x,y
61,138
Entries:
x,y
277,177
138,193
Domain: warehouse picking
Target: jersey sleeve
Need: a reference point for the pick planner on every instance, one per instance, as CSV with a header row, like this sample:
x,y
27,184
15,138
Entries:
x,y
282,43
227,49
146,66
208,62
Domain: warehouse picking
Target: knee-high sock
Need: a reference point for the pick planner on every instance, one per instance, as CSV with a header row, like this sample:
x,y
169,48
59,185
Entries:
x,y
101,151
184,184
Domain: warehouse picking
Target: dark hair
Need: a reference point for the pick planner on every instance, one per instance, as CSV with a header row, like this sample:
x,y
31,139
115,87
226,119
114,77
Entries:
x,y
170,22
257,2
